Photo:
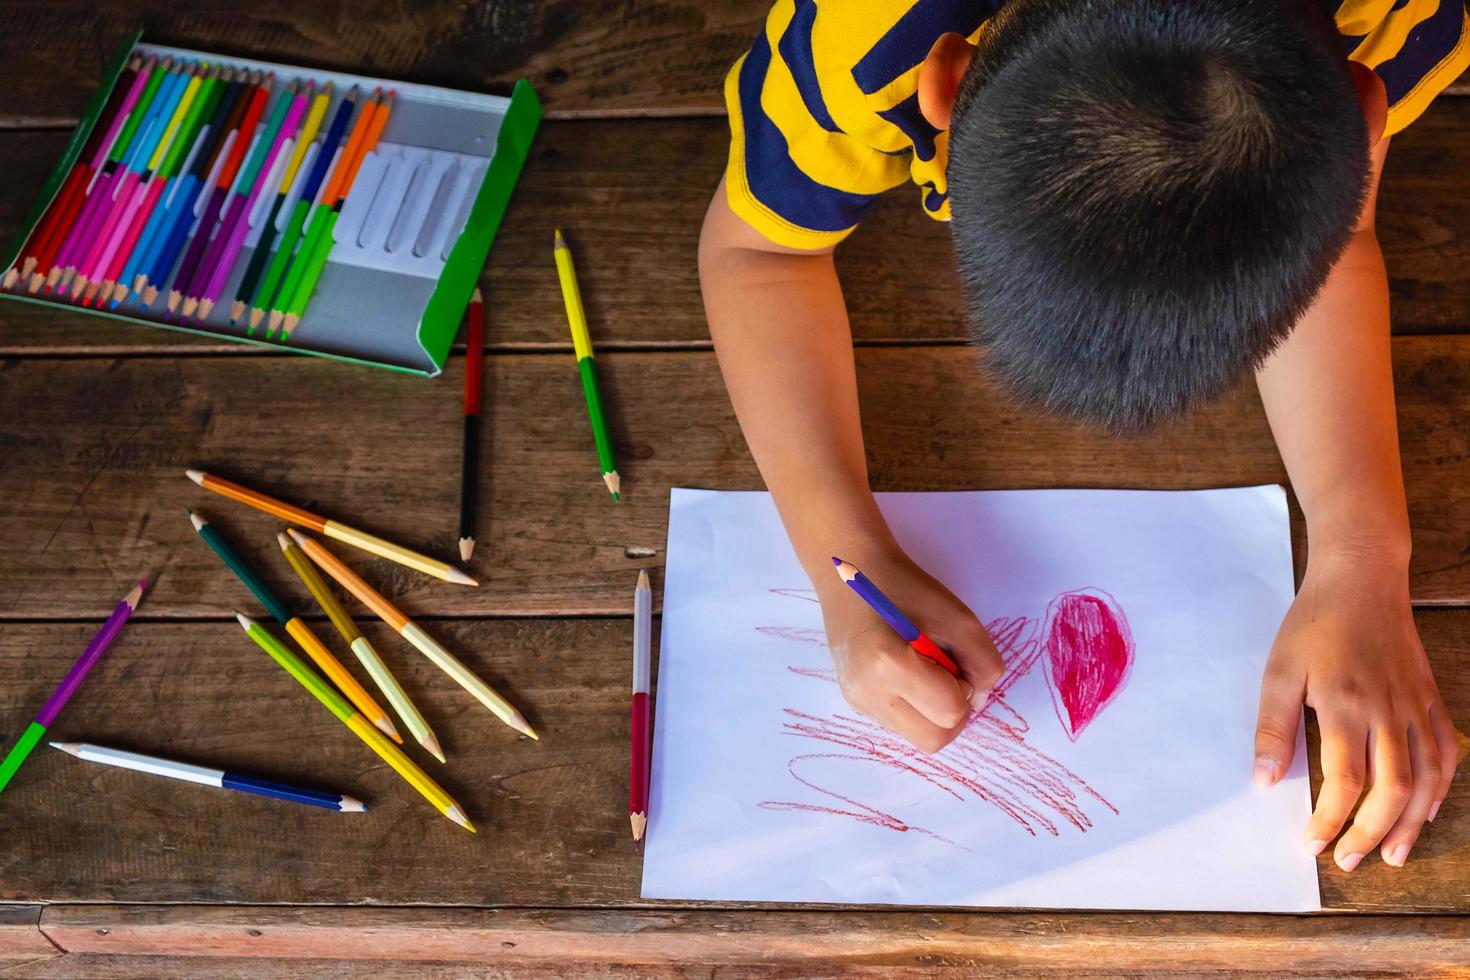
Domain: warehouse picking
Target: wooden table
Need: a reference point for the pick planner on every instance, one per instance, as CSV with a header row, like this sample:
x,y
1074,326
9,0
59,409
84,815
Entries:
x,y
107,874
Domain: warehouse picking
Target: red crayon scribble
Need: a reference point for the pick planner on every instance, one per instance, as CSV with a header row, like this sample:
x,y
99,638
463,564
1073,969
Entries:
x,y
1089,656
991,761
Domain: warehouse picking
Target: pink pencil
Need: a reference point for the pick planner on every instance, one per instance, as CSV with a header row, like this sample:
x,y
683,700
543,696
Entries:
x,y
149,196
236,240
100,181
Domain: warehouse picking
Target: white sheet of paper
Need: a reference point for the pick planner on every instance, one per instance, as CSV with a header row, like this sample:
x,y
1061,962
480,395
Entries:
x,y
767,786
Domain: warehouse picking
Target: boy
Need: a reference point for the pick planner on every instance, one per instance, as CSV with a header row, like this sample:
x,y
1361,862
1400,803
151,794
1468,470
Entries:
x,y
1149,200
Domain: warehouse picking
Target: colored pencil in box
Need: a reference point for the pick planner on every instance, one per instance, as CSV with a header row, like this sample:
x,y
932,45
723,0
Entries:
x,y
220,258
187,144
206,776
89,254
193,189
638,764
367,655
332,529
265,292
314,254
354,720
99,191
169,107
177,139
69,198
893,616
261,255
198,245
411,632
470,472
582,344
298,629
36,730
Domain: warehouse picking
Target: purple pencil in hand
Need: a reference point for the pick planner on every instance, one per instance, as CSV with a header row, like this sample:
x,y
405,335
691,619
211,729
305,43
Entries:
x,y
69,684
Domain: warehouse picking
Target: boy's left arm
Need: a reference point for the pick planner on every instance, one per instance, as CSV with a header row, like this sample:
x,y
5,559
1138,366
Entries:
x,y
1348,646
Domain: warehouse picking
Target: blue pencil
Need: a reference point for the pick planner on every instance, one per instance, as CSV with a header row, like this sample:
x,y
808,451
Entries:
x,y
893,616
210,777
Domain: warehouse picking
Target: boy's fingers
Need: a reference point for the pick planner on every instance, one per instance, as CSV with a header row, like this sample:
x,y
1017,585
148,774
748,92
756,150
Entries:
x,y
1425,757
1449,753
1344,754
1277,723
908,723
1393,784
930,689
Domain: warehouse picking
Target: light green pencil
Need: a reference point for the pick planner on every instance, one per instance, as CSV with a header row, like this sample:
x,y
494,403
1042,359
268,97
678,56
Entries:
x,y
366,654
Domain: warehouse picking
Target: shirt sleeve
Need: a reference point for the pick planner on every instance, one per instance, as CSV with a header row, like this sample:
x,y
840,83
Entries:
x,y
1417,47
794,174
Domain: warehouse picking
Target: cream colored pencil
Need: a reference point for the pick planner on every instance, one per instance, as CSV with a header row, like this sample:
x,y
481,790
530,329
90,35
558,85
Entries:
x,y
411,632
366,654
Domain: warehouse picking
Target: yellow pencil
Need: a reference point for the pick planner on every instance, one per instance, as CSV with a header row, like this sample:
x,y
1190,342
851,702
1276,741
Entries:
x,y
354,720
366,654
411,632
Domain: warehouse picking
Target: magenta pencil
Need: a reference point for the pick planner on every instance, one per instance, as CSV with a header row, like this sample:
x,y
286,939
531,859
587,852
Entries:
x,y
98,195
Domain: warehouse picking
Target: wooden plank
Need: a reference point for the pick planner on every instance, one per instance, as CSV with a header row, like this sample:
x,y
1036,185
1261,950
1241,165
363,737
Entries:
x,y
674,943
95,452
552,815
21,940
583,56
635,230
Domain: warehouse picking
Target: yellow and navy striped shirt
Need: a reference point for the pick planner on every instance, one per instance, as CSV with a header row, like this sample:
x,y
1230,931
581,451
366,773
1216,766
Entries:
x,y
824,110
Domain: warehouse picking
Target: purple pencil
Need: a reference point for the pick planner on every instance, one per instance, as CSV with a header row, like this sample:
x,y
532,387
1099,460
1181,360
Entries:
x,y
916,638
69,684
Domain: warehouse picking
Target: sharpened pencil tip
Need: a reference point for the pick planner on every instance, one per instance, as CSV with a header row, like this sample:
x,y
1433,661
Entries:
x,y
457,815
197,521
296,535
134,597
385,726
352,805
846,570
559,242
460,578
476,297
614,484
70,748
643,579
431,745
196,475
466,548
245,621
639,822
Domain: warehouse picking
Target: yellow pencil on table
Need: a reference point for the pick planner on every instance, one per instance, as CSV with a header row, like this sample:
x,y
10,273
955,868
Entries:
x,y
354,720
332,529
582,344
366,654
411,632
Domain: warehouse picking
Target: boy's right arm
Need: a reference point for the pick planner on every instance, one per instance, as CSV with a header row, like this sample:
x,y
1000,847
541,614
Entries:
x,y
780,330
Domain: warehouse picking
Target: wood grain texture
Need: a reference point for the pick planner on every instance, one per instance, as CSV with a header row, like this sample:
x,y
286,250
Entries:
x,y
95,452
21,941
583,56
632,195
552,815
680,942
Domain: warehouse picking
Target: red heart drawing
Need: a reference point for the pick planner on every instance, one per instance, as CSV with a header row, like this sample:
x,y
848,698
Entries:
x,y
1089,655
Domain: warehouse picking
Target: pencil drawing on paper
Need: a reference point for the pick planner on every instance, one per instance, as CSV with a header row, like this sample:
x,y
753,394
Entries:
x,y
1086,651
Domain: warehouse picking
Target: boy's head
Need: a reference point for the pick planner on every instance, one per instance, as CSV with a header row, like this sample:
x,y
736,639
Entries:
x,y
1146,194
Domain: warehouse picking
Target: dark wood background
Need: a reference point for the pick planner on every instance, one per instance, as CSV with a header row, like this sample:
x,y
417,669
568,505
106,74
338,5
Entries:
x,y
113,874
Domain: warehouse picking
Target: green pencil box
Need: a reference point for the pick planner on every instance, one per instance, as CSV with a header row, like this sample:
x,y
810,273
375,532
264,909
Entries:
x,y
412,237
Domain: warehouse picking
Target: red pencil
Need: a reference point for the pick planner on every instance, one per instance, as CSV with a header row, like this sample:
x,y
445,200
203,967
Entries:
x,y
639,763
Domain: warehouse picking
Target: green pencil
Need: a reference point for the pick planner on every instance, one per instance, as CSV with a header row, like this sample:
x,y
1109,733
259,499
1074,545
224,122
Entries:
x,y
582,343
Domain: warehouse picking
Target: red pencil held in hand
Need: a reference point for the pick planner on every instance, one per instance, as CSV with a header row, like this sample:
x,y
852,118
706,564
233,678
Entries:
x,y
638,765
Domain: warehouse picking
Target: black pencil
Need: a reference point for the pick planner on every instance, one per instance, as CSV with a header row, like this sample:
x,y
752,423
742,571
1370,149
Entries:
x,y
469,483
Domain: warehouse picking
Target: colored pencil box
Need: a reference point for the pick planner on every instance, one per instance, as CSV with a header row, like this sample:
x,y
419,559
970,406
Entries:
x,y
412,236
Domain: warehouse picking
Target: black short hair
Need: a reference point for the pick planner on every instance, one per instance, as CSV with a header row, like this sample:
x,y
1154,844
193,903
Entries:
x,y
1147,194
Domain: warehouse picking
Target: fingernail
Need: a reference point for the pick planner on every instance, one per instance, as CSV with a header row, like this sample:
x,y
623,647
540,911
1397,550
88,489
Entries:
x,y
1434,810
1265,773
1315,847
1350,862
1397,856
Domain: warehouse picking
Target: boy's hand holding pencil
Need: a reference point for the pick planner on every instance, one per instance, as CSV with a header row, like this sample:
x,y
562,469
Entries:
x,y
881,672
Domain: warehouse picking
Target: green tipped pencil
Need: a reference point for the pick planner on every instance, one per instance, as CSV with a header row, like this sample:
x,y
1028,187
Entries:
x,y
365,651
582,343
354,720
